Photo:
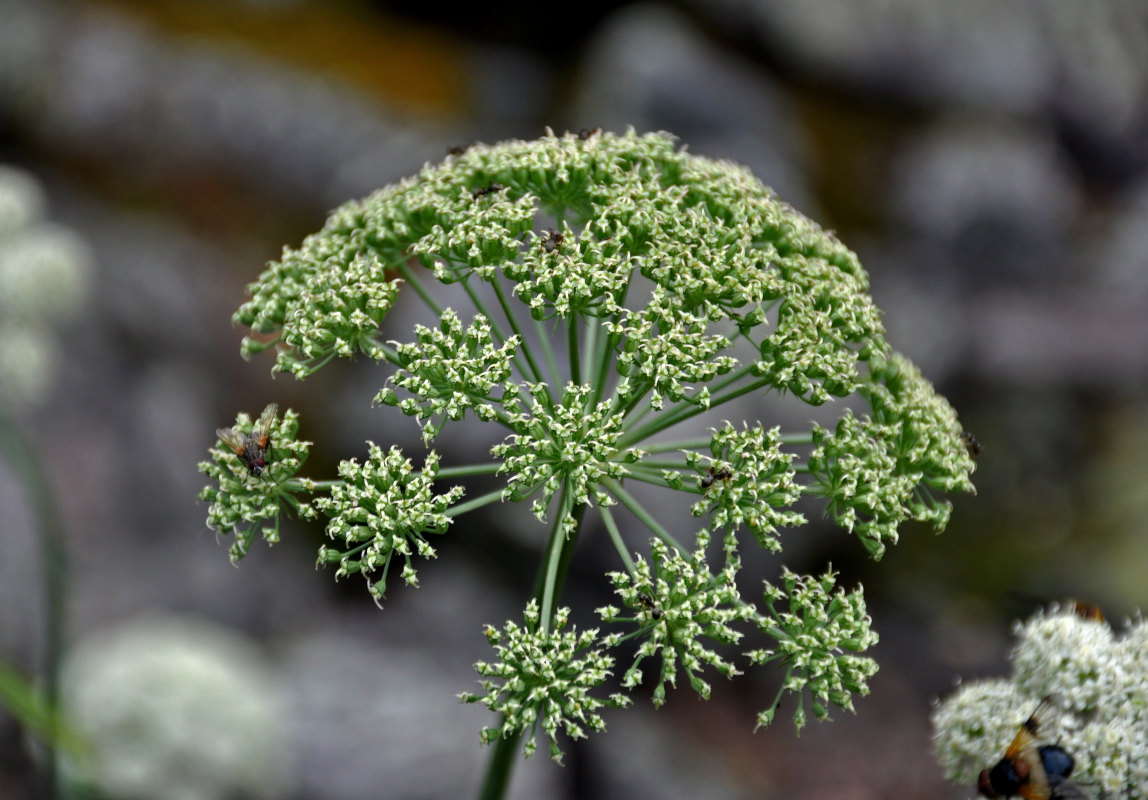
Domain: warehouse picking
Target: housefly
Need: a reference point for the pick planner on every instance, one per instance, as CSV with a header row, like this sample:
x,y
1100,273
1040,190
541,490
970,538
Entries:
x,y
252,448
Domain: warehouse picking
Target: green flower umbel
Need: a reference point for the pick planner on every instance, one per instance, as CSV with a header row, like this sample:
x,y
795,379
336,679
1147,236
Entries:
x,y
241,501
380,509
596,300
543,680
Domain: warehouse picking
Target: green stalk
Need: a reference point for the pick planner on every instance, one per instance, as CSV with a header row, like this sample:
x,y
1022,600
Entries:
x,y
468,470
495,329
551,576
572,350
681,444
592,326
523,345
548,352
409,277
616,538
471,505
603,357
682,412
21,454
652,477
644,516
550,580
499,768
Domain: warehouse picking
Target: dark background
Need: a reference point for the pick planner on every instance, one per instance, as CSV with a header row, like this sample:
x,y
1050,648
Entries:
x,y
988,162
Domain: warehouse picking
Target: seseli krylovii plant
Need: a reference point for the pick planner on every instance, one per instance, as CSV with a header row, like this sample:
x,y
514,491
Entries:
x,y
1097,680
618,288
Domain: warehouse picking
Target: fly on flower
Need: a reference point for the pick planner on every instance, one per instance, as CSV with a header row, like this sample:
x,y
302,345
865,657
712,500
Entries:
x,y
252,447
1086,611
971,444
1030,769
715,474
647,603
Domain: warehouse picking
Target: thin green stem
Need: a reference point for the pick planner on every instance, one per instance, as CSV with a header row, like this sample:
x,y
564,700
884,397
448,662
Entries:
x,y
682,412
662,463
512,320
572,349
354,551
554,550
548,352
652,477
471,505
603,358
616,538
22,455
591,350
644,516
468,470
495,328
500,767
733,377
292,485
409,277
635,417
680,444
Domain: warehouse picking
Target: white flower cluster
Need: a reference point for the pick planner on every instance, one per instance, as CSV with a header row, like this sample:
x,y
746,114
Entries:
x,y
1098,679
43,280
174,708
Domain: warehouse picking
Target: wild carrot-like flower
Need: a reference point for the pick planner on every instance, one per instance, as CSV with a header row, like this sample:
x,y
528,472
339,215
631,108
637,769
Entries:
x,y
618,291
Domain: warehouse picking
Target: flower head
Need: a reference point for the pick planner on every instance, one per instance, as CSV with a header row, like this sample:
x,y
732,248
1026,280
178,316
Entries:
x,y
756,486
241,502
543,678
621,287
686,608
383,508
818,635
564,444
451,369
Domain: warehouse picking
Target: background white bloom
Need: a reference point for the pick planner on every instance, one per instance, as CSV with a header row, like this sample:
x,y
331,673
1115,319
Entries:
x,y
44,277
1099,683
175,708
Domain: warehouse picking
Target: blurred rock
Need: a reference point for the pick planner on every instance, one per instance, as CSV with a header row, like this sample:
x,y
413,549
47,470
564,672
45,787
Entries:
x,y
996,199
649,68
101,83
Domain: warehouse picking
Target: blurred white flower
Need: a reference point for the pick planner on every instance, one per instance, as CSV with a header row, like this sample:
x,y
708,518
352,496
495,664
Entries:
x,y
44,280
1097,679
975,723
22,201
27,364
1062,655
175,708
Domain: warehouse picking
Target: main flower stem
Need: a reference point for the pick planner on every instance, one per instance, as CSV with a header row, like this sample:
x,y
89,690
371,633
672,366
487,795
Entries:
x,y
548,586
499,768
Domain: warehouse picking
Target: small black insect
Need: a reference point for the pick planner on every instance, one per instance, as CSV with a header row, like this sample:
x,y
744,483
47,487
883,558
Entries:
x,y
587,133
551,240
715,474
647,602
483,191
457,150
971,444
252,447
